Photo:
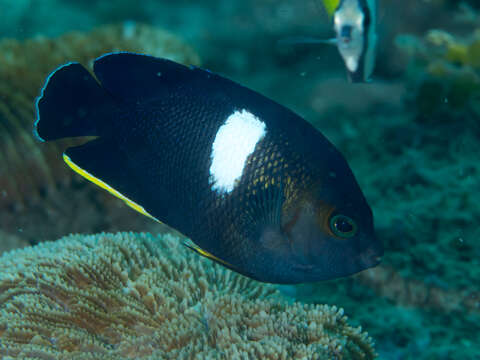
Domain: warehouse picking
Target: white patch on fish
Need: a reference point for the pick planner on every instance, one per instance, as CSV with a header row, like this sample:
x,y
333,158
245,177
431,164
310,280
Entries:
x,y
352,63
234,142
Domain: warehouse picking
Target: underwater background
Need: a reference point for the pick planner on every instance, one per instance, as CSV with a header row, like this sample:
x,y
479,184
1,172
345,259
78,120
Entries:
x,y
411,137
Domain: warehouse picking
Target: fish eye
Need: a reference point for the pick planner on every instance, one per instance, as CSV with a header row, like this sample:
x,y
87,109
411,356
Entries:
x,y
343,226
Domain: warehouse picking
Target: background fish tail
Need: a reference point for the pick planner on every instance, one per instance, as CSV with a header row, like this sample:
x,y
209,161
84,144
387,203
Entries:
x,y
72,103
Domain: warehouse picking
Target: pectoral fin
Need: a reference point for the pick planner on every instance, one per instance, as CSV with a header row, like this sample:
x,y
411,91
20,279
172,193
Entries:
x,y
299,40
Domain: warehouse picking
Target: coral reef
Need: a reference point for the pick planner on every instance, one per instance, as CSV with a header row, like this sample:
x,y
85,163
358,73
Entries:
x,y
421,179
444,71
422,183
413,331
138,296
32,177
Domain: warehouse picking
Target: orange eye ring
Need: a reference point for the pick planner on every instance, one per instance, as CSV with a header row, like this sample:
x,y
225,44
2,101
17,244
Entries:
x,y
343,226
324,215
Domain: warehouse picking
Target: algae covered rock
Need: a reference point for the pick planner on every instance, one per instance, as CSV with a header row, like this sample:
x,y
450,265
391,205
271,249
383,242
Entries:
x,y
138,296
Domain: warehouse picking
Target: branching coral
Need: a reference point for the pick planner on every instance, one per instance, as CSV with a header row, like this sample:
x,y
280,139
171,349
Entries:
x,y
30,169
137,296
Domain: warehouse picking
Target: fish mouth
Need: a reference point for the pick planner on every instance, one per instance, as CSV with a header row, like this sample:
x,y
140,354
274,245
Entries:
x,y
366,260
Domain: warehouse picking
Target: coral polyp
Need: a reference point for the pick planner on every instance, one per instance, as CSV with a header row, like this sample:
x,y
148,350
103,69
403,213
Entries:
x,y
138,296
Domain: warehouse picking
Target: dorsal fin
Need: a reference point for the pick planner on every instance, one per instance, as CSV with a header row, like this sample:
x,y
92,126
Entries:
x,y
134,77
72,103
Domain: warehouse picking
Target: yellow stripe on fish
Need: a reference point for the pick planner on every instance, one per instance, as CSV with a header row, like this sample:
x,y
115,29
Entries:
x,y
105,186
206,254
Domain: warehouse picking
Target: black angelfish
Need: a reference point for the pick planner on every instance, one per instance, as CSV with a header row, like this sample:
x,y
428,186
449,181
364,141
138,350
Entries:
x,y
253,185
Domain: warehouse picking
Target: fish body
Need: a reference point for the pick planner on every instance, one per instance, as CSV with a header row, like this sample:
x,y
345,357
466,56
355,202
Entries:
x,y
253,185
355,25
356,36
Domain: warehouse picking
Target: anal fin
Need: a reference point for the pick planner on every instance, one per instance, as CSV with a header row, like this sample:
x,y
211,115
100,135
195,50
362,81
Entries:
x,y
206,254
100,162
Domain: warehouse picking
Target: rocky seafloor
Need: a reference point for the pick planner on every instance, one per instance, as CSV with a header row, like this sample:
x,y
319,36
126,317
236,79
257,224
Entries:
x,y
411,138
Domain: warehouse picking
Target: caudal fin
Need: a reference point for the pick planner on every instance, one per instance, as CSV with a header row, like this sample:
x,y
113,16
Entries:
x,y
71,104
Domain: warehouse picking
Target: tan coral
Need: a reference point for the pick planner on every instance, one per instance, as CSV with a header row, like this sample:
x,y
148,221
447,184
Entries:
x,y
30,169
130,296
